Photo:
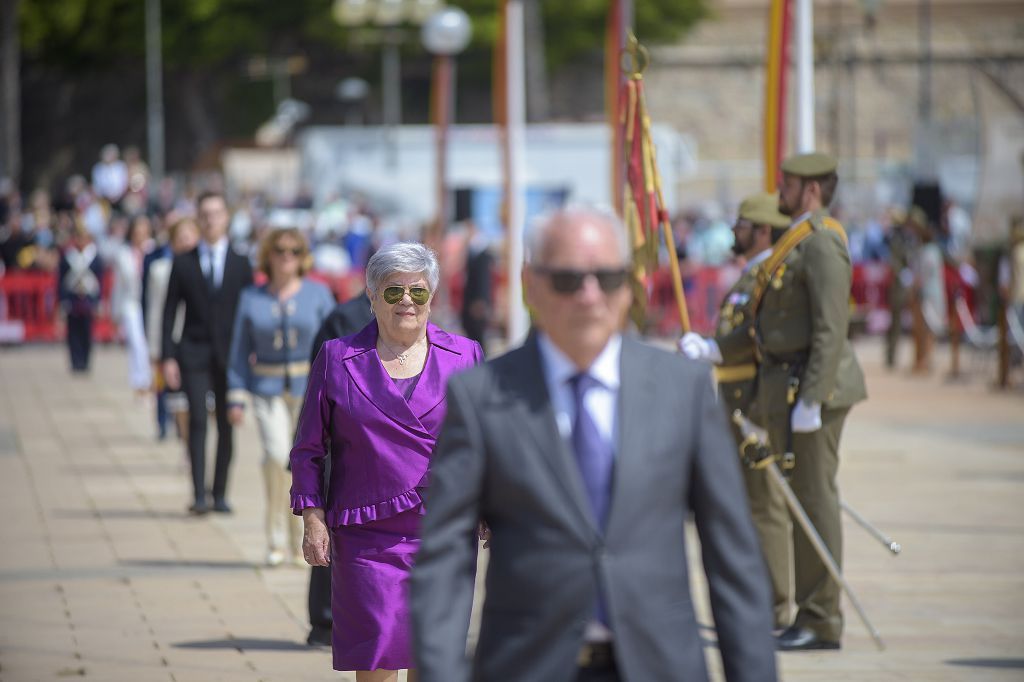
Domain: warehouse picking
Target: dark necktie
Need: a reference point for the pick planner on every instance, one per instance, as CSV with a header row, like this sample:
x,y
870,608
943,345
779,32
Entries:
x,y
595,458
211,282
593,453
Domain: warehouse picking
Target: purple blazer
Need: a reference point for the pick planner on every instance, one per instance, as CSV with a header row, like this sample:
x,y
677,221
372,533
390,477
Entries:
x,y
379,444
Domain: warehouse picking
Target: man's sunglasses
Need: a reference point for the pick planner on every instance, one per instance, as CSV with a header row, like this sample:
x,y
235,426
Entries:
x,y
571,281
392,295
295,252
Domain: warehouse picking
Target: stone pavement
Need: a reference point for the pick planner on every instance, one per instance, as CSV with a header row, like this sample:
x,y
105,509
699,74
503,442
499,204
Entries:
x,y
104,577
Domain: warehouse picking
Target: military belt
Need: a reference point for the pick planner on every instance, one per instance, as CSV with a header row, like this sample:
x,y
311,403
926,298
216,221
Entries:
x,y
784,359
731,373
292,369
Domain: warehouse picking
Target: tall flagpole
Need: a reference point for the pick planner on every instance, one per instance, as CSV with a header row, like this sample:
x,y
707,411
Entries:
x,y
804,76
515,118
154,93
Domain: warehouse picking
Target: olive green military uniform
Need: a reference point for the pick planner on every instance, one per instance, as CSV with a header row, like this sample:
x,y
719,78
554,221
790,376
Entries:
x,y
801,328
736,384
901,251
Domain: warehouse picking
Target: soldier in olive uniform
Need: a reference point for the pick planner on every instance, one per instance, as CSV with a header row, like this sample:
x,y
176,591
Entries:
x,y
758,225
901,243
808,379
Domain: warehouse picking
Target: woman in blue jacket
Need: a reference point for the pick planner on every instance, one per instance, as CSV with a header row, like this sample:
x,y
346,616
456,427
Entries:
x,y
274,330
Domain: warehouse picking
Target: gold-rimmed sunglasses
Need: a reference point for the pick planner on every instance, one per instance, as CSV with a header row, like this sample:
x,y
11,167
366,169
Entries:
x,y
394,294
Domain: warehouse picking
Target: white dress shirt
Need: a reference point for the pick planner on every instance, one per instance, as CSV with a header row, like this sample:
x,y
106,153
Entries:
x,y
213,256
601,401
806,215
759,258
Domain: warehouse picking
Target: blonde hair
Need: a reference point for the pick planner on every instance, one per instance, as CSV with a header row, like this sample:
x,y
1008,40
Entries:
x,y
178,225
270,242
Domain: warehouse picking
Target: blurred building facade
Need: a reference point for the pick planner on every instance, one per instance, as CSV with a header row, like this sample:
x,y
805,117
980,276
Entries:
x,y
965,129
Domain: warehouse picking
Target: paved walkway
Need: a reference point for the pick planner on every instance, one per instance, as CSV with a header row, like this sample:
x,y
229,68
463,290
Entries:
x,y
103,576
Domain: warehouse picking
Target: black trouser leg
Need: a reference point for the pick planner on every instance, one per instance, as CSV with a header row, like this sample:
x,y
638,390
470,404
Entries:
x,y
196,384
320,597
79,333
161,412
225,436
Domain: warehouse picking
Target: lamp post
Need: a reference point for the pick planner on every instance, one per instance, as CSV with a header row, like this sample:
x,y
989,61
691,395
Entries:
x,y
445,34
154,92
388,16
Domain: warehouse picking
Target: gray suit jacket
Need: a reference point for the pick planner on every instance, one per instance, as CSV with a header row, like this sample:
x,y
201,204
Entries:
x,y
500,458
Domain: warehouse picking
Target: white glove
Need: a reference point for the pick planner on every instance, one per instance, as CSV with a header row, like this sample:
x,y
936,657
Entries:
x,y
806,418
696,347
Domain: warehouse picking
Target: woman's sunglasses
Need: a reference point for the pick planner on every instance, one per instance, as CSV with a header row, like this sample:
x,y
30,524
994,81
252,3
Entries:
x,y
392,295
295,252
571,281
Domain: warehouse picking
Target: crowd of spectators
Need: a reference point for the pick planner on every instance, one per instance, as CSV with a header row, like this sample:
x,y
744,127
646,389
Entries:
x,y
344,231
35,229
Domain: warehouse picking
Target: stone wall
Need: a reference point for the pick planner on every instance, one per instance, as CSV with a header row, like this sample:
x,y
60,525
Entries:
x,y
867,98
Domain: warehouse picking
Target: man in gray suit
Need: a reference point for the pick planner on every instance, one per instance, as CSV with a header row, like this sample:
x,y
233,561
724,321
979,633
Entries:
x,y
585,452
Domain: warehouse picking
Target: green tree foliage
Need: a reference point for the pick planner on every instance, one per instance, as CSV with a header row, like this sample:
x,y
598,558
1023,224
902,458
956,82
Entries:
x,y
576,27
87,34
84,34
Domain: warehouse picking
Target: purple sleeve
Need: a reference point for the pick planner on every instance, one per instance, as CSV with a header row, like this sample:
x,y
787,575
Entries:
x,y
312,436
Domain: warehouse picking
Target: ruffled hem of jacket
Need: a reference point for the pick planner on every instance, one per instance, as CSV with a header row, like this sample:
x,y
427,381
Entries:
x,y
394,506
355,516
300,502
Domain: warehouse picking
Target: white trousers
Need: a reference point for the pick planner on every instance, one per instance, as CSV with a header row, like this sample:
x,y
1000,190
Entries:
x,y
140,373
276,417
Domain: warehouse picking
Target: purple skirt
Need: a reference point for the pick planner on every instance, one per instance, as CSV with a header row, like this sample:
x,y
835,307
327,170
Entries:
x,y
370,570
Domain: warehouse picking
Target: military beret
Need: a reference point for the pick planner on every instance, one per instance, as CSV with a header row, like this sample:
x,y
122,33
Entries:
x,y
763,209
811,165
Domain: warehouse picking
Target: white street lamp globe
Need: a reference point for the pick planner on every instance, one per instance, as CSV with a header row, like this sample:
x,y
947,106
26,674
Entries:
x,y
353,12
447,32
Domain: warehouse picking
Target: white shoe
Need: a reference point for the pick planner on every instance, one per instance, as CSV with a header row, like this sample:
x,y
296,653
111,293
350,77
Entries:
x,y
275,557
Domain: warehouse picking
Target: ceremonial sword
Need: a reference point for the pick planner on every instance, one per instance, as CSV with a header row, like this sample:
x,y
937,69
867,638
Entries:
x,y
757,455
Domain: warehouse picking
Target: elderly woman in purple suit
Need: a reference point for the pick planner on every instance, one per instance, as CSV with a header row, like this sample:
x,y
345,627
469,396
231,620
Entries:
x,y
373,410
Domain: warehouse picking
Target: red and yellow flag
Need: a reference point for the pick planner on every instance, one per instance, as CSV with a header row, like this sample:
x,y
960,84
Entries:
x,y
776,69
643,205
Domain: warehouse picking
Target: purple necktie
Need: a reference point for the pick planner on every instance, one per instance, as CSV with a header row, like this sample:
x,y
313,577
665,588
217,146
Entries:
x,y
593,453
595,457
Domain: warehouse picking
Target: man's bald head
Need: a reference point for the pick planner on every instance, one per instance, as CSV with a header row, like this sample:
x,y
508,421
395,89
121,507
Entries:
x,y
576,280
550,232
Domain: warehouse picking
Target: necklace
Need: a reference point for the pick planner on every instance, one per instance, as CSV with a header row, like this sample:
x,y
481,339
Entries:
x,y
401,357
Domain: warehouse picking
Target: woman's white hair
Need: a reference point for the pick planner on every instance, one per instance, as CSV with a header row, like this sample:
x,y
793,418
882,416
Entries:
x,y
539,231
404,257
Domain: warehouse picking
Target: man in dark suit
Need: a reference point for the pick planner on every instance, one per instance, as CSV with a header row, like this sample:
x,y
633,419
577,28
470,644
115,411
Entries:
x,y
476,296
585,452
209,279
346,319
